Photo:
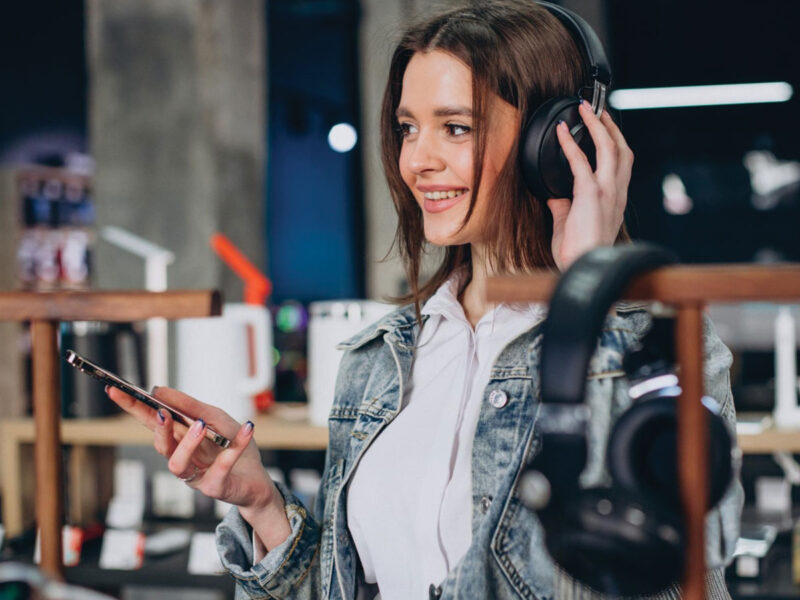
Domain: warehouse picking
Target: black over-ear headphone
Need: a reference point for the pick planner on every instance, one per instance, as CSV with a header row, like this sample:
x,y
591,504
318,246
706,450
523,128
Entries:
x,y
544,166
626,539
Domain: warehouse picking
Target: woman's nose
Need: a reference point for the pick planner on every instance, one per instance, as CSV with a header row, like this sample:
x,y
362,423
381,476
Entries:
x,y
425,155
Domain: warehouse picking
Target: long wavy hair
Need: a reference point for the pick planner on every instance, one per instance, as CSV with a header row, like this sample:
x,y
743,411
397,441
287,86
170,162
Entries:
x,y
520,52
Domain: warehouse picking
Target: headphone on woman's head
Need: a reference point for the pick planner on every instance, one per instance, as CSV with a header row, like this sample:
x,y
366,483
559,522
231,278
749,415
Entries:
x,y
626,539
544,166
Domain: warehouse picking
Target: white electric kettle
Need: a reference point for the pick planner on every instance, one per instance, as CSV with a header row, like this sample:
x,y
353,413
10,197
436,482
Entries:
x,y
215,354
332,322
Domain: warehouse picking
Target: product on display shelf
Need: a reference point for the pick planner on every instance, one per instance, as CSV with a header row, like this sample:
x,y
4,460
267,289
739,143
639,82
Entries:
x,y
56,213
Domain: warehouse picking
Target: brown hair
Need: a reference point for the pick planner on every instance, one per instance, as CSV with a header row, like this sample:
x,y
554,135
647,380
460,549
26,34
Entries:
x,y
519,51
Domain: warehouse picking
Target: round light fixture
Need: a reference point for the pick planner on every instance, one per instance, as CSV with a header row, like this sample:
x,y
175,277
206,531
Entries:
x,y
342,137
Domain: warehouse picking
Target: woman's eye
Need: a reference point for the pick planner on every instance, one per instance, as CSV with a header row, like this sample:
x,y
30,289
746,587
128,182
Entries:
x,y
457,130
406,129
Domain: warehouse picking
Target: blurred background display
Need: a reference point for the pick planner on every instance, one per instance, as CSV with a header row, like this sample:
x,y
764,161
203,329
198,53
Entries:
x,y
717,183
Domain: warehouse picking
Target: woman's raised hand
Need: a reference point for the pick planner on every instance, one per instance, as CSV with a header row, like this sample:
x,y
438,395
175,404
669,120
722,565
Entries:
x,y
594,215
234,474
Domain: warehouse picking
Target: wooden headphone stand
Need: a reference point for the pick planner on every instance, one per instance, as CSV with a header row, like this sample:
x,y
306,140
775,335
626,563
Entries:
x,y
688,289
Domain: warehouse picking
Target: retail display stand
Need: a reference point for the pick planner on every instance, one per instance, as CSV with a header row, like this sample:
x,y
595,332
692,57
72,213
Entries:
x,y
45,310
688,289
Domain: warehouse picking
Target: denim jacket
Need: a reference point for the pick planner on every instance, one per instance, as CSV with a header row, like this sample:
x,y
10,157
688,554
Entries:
x,y
507,557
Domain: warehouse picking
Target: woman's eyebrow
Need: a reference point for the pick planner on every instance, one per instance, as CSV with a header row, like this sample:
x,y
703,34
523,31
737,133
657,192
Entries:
x,y
453,111
443,111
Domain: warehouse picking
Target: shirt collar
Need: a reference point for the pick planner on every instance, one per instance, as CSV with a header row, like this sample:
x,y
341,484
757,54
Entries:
x,y
444,303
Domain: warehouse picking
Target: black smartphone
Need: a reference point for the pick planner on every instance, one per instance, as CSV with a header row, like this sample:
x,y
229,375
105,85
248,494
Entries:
x,y
109,378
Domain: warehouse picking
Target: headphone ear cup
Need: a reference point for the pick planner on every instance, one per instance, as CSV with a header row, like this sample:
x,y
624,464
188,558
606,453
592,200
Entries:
x,y
544,167
642,452
616,543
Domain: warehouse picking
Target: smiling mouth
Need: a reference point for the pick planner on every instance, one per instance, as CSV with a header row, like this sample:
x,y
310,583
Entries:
x,y
444,195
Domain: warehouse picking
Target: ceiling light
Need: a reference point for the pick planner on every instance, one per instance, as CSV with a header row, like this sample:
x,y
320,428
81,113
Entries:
x,y
701,95
342,137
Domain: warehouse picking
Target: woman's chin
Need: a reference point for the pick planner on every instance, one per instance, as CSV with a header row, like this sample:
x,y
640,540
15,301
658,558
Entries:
x,y
443,239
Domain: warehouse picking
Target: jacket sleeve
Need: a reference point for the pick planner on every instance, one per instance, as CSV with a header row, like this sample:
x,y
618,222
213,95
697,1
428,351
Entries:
x,y
290,570
722,523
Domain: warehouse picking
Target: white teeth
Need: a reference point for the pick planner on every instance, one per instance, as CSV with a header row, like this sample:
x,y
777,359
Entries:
x,y
443,195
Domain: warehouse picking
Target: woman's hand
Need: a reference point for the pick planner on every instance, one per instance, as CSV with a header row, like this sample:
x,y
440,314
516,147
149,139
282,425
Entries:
x,y
234,474
594,216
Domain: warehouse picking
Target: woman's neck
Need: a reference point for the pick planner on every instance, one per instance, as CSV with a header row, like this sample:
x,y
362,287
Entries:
x,y
473,296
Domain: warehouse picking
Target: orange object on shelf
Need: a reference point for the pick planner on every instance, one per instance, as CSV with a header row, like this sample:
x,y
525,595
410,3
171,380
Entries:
x,y
257,287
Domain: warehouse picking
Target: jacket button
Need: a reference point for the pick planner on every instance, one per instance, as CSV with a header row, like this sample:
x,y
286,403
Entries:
x,y
434,592
486,503
343,539
498,398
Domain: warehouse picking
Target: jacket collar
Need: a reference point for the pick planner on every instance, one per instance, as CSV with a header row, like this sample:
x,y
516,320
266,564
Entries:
x,y
400,324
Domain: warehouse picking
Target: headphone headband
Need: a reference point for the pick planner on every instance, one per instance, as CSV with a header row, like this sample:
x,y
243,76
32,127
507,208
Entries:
x,y
582,298
579,305
586,39
544,167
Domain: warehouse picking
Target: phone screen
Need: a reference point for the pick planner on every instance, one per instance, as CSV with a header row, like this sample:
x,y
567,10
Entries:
x,y
86,366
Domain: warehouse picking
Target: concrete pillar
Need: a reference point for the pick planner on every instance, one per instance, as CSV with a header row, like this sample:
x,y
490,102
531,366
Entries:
x,y
382,22
12,388
177,127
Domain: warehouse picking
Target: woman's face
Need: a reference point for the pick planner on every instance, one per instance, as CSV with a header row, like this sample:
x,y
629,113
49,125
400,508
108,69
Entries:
x,y
435,117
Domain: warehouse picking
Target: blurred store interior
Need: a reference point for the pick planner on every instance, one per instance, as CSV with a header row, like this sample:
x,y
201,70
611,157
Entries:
x,y
132,132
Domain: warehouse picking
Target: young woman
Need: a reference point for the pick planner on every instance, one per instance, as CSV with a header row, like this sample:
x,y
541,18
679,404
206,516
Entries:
x,y
434,410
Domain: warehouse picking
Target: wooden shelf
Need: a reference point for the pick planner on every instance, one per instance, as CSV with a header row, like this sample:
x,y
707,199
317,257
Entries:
x,y
769,441
757,434
284,427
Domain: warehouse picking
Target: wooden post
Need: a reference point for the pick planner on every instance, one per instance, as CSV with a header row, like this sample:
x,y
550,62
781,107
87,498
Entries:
x,y
692,446
47,419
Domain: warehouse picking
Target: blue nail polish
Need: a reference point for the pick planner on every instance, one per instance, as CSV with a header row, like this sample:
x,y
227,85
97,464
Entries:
x,y
198,428
248,427
161,417
560,121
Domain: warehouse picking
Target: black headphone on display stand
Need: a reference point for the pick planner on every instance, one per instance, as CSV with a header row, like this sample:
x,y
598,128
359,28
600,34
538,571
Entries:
x,y
543,164
626,539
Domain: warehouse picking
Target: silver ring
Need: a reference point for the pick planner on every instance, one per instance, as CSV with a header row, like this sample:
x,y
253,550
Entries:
x,y
195,474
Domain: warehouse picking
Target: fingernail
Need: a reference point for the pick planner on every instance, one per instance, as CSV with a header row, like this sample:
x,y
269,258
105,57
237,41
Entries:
x,y
153,391
248,427
106,390
198,427
583,102
161,416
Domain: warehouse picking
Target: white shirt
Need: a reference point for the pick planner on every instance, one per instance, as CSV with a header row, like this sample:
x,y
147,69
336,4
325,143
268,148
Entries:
x,y
409,502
